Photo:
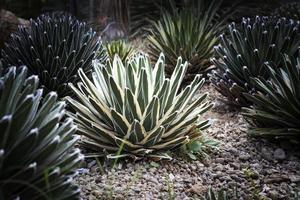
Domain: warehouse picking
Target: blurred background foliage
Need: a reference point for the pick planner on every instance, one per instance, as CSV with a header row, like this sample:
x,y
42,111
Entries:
x,y
116,19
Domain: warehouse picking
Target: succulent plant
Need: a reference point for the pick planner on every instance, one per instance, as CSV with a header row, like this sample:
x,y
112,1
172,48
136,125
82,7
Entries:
x,y
143,12
121,48
135,109
190,33
276,108
243,53
54,47
211,194
36,155
289,10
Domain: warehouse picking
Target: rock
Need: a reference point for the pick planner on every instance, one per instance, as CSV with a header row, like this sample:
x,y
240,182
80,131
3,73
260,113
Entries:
x,y
279,154
294,178
244,156
8,24
91,164
235,165
274,195
96,193
220,160
276,179
83,170
193,167
236,178
197,189
266,153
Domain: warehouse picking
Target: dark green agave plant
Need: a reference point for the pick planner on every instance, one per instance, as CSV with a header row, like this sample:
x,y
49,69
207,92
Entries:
x,y
276,109
242,54
190,33
290,11
36,154
54,47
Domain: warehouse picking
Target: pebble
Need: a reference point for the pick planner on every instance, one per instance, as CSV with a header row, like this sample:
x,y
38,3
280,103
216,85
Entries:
x,y
244,156
237,152
295,179
266,154
279,154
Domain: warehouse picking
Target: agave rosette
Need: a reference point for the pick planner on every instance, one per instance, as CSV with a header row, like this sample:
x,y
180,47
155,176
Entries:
x,y
54,47
190,33
37,158
242,54
135,109
276,109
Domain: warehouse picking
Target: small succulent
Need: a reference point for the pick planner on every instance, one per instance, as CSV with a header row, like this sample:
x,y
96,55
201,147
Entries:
x,y
276,108
36,154
121,48
242,54
200,147
211,194
190,33
289,10
135,110
54,47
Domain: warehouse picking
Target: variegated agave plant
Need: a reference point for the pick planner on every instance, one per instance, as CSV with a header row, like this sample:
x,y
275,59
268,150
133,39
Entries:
x,y
36,154
136,109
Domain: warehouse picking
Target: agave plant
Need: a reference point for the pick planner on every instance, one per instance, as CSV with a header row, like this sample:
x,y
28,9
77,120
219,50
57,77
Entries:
x,y
54,47
143,12
120,48
211,194
36,155
190,33
135,109
243,53
276,109
290,11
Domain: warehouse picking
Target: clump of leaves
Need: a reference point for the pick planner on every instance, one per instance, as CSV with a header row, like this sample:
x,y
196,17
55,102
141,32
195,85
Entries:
x,y
54,47
37,154
135,110
190,33
276,108
242,54
201,147
121,48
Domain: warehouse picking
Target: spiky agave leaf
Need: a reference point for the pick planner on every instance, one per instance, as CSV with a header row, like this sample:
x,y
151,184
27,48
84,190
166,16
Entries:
x,y
212,194
143,12
276,109
289,10
136,108
190,33
54,47
36,159
121,48
243,53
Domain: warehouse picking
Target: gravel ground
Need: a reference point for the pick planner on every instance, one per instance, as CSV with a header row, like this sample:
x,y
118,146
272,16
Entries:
x,y
253,169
